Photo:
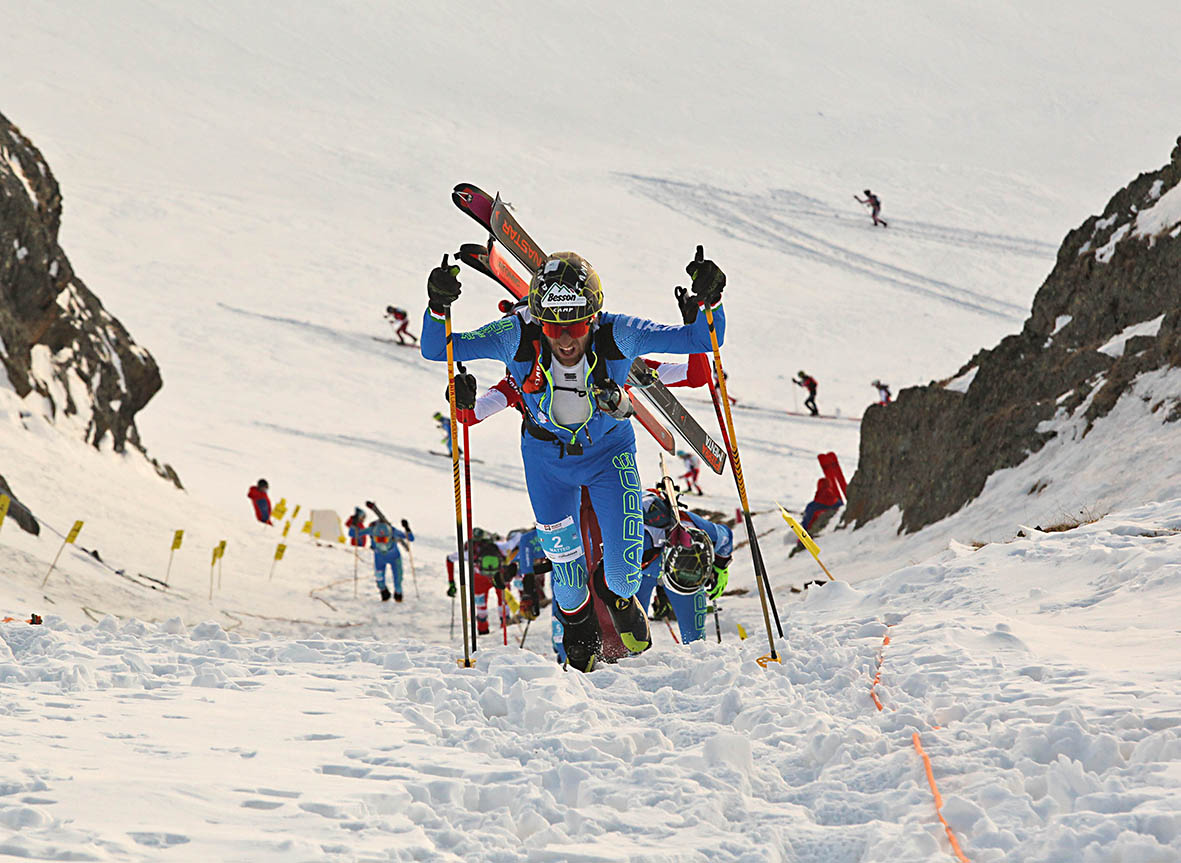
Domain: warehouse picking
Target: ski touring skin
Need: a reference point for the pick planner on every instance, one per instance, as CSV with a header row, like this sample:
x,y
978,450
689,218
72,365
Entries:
x,y
495,217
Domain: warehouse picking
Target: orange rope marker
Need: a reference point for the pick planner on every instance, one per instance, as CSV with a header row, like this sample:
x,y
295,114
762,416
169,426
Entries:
x,y
877,678
955,846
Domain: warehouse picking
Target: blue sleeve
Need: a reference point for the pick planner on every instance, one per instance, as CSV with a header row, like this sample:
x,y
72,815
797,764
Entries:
x,y
637,336
497,340
404,537
722,536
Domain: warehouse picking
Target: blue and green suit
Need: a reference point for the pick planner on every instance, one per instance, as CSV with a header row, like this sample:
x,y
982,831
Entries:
x,y
385,552
690,610
600,454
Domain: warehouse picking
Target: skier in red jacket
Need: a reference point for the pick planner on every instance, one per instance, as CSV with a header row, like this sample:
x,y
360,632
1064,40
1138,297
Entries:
x,y
399,320
827,497
262,503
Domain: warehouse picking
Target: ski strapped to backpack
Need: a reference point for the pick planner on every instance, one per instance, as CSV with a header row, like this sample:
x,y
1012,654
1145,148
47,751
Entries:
x,y
488,260
494,216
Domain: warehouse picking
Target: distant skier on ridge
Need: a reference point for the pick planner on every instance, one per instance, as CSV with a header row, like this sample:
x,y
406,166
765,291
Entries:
x,y
875,206
569,358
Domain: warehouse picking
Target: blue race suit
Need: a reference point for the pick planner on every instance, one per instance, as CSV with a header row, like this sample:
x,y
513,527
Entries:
x,y
385,552
600,454
690,610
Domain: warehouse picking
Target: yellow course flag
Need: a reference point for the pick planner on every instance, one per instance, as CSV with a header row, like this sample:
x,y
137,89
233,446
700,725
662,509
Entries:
x,y
74,531
221,550
296,513
176,539
213,560
4,499
286,527
279,549
511,601
280,508
340,539
741,633
307,527
800,532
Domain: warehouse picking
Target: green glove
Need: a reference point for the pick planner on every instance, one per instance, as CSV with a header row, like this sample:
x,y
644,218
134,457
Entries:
x,y
451,589
721,579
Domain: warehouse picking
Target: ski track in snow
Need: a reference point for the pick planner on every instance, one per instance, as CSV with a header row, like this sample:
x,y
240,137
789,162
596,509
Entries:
x,y
485,474
361,342
269,748
761,220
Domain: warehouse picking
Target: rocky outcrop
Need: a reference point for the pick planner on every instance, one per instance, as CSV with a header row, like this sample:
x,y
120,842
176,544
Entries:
x,y
1109,311
56,339
18,512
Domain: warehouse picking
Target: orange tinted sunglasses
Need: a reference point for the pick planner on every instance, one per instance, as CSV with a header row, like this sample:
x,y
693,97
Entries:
x,y
576,329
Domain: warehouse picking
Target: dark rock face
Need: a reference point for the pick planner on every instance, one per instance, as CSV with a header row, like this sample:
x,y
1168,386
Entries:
x,y
18,512
57,339
932,450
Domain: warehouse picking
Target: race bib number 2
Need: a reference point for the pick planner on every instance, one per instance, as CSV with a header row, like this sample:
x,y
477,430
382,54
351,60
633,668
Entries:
x,y
561,542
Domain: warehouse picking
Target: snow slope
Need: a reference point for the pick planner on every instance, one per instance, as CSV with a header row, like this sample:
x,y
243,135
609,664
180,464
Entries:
x,y
247,193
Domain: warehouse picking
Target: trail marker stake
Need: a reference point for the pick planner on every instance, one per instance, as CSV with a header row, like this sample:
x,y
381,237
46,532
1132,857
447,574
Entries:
x,y
69,540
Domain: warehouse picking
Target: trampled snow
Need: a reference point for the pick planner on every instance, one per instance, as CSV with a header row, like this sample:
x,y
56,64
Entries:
x,y
248,195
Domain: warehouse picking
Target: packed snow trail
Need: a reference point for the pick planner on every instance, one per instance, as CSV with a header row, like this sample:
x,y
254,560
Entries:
x,y
1052,729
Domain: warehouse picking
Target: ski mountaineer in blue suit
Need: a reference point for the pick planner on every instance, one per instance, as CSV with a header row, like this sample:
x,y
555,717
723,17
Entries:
x,y
694,560
572,358
385,553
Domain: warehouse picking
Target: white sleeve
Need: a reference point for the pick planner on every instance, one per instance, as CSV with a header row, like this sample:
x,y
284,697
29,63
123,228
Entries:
x,y
673,374
491,402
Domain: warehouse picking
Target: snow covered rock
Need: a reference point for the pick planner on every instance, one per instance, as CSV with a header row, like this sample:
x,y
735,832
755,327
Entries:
x,y
59,347
1099,321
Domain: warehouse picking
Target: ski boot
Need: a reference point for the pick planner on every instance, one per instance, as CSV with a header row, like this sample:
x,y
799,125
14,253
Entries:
x,y
581,638
385,594
482,626
661,609
630,621
397,597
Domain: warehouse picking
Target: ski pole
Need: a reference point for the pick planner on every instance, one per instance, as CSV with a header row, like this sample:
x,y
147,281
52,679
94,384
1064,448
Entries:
x,y
525,634
413,573
467,484
356,560
670,630
467,660
736,468
717,623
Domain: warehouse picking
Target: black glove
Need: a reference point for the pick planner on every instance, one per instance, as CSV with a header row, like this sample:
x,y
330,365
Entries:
x,y
708,278
406,526
498,579
542,565
451,589
442,286
687,303
509,571
465,390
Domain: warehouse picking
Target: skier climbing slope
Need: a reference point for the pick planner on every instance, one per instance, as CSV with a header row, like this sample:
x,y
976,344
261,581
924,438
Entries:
x,y
571,358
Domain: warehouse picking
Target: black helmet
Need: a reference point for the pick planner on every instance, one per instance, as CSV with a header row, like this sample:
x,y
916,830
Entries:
x,y
868,193
566,289
687,560
262,483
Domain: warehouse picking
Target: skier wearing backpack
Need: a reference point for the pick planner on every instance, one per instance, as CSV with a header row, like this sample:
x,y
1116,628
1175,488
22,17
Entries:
x,y
875,206
385,554
399,320
571,357
692,559
808,382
